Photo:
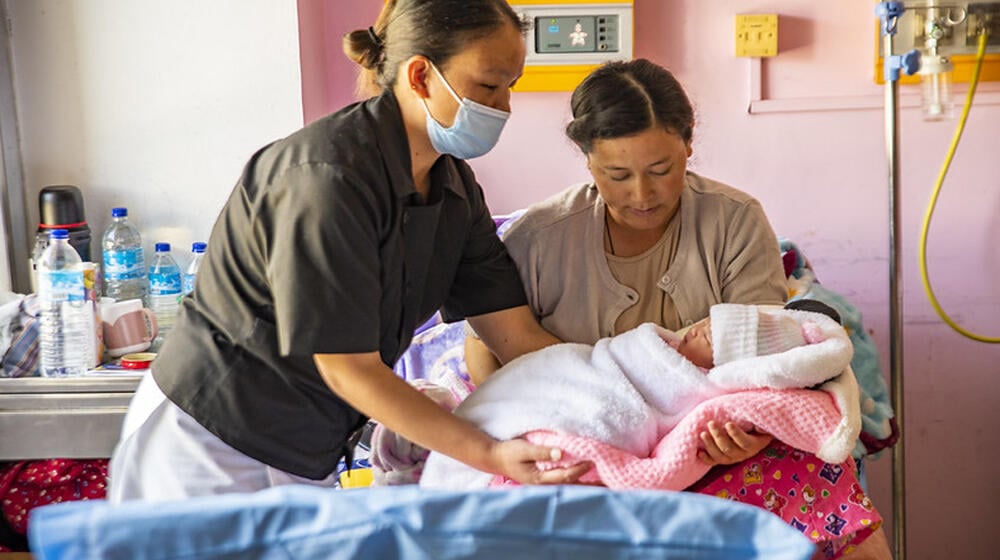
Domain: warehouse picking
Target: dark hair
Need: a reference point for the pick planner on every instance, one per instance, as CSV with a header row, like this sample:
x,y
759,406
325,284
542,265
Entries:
x,y
625,98
815,306
437,29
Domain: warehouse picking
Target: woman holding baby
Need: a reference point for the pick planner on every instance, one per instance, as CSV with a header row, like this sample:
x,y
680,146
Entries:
x,y
655,242
648,241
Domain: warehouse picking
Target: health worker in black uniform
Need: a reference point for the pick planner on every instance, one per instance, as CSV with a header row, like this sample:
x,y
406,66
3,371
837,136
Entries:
x,y
336,243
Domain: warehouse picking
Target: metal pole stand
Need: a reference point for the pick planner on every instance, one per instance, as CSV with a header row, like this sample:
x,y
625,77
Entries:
x,y
889,13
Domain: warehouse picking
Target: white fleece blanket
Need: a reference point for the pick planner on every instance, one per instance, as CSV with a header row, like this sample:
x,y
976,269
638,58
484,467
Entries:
x,y
631,390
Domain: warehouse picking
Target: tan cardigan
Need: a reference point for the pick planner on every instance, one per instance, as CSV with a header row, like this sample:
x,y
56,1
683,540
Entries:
x,y
727,253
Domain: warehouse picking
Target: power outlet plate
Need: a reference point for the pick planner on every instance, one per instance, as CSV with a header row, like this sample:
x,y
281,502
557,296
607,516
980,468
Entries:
x,y
756,35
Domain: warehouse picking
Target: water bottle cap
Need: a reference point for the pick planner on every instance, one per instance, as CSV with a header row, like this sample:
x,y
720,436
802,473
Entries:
x,y
162,247
119,212
59,234
199,246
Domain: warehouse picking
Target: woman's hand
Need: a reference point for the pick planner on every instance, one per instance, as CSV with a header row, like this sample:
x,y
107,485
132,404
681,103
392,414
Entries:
x,y
517,458
731,445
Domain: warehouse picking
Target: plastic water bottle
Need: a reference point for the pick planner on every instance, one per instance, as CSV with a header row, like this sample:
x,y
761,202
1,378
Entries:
x,y
124,262
164,291
64,338
197,253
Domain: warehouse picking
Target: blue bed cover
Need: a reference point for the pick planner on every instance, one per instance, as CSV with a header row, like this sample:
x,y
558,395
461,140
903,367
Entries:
x,y
302,523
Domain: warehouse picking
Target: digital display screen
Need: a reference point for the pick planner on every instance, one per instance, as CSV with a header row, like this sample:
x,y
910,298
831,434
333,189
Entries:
x,y
566,34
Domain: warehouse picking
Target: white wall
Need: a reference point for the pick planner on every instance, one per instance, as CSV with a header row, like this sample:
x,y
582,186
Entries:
x,y
151,105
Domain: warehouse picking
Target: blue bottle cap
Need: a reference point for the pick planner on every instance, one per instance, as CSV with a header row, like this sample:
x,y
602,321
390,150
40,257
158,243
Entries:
x,y
119,212
199,247
162,247
59,234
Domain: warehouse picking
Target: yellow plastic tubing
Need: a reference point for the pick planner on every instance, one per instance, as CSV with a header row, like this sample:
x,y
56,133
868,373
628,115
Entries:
x,y
983,37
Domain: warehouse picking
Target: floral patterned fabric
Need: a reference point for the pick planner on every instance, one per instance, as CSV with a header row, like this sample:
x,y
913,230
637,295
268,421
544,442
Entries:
x,y
824,501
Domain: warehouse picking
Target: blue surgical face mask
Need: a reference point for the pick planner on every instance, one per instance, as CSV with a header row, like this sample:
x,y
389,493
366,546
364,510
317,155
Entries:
x,y
475,131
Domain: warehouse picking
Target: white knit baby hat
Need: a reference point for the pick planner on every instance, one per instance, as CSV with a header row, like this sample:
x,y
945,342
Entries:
x,y
744,331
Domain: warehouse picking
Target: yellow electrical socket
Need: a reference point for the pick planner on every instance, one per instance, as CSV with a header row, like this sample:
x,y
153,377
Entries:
x,y
756,35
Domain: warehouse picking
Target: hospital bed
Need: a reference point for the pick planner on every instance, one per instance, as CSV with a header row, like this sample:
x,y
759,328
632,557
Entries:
x,y
548,522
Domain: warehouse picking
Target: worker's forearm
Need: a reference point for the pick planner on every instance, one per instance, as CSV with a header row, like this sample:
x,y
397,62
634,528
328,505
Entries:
x,y
377,392
521,342
479,360
511,333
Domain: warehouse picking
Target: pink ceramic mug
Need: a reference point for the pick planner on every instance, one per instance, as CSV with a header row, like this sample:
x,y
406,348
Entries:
x,y
128,326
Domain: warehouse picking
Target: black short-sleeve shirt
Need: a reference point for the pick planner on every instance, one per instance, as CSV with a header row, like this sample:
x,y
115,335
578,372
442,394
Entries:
x,y
324,247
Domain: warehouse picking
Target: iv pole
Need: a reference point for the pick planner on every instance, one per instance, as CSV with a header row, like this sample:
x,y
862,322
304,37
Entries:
x,y
889,13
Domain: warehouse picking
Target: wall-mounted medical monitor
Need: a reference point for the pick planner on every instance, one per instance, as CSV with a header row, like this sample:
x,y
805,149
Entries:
x,y
576,34
582,33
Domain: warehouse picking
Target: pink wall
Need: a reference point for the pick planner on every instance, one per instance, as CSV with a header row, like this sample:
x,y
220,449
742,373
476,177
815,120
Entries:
x,y
821,175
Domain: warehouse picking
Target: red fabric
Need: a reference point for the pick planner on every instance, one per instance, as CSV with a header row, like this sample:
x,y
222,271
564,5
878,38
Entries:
x,y
26,485
790,260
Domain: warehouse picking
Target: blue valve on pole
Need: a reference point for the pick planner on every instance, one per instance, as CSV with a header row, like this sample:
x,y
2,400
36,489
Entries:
x,y
909,62
889,12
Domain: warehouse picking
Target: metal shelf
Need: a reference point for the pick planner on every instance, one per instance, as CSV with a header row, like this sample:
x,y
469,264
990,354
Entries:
x,y
74,418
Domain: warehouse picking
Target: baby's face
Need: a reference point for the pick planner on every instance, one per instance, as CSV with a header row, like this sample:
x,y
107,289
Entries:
x,y
697,344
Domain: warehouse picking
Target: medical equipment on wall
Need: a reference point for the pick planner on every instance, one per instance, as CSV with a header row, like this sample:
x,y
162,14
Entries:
x,y
946,34
935,68
567,40
939,35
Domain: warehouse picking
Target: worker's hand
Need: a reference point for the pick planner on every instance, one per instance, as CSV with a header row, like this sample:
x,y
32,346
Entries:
x,y
517,460
731,445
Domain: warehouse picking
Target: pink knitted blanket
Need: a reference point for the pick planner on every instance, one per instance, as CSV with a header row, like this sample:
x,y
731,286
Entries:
x,y
809,420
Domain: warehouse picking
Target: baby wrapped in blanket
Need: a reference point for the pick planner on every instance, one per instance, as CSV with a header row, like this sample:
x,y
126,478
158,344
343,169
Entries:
x,y
634,404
